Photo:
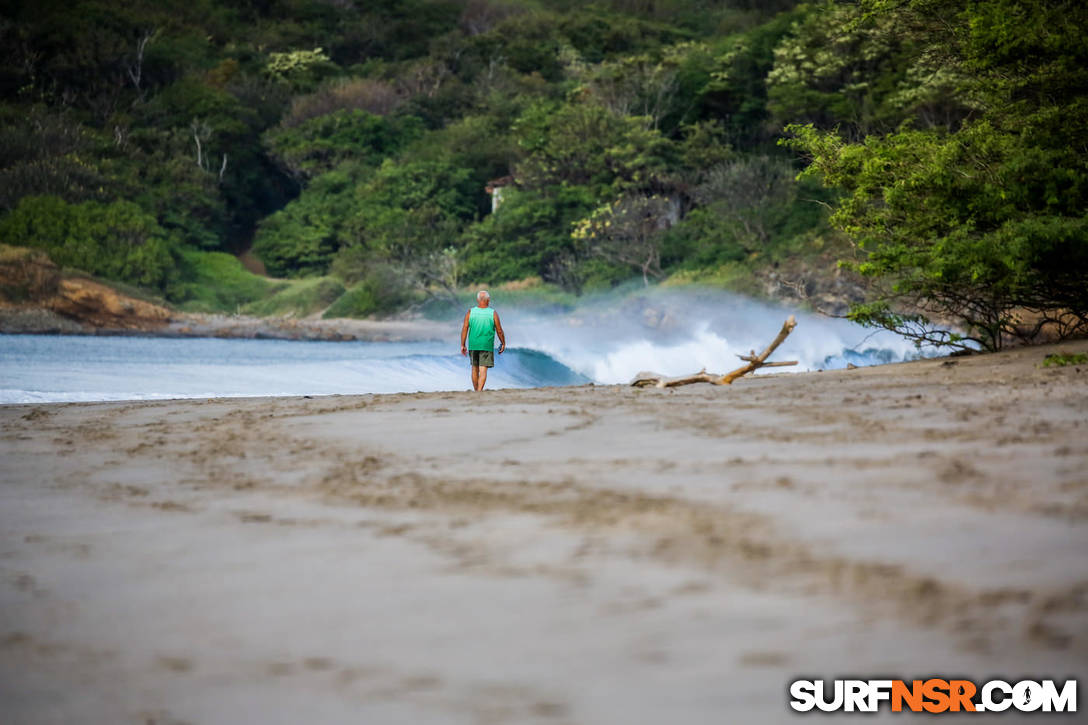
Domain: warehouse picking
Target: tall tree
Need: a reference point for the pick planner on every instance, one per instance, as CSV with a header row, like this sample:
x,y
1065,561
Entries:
x,y
983,226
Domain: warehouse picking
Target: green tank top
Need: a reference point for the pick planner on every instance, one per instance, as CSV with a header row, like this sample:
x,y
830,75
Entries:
x,y
481,328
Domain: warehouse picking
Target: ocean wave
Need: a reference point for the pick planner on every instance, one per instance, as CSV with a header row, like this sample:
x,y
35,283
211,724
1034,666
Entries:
x,y
618,361
606,343
47,371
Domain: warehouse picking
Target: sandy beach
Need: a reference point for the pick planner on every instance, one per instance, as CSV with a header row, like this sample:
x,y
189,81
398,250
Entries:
x,y
570,555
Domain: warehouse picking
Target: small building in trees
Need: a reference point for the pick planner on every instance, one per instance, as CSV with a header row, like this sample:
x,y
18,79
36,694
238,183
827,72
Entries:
x,y
495,187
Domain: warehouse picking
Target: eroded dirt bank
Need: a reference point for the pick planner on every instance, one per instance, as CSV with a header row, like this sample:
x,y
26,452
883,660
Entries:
x,y
38,297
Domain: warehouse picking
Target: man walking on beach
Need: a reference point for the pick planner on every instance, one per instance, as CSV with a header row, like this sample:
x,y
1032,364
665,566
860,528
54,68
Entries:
x,y
481,324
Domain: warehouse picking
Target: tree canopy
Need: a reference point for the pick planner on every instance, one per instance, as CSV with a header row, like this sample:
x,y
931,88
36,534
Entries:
x,y
940,147
981,223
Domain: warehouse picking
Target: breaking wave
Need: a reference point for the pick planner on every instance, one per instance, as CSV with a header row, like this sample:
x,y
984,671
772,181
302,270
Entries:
x,y
605,342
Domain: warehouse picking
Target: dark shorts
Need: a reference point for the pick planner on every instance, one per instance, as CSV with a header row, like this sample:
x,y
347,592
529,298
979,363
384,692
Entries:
x,y
482,358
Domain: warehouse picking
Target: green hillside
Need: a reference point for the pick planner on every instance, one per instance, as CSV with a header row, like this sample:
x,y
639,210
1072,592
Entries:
x,y
935,146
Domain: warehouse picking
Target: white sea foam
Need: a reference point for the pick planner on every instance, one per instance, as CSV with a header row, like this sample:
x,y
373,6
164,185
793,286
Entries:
x,y
12,396
675,333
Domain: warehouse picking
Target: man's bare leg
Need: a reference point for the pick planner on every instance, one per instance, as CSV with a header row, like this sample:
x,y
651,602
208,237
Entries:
x,y
483,377
475,377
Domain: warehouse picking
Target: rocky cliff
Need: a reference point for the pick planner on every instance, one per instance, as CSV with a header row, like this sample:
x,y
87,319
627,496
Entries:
x,y
36,296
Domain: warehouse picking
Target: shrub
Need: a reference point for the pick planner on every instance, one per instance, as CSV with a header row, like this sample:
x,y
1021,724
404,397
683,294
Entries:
x,y
1060,360
382,291
117,241
301,297
217,282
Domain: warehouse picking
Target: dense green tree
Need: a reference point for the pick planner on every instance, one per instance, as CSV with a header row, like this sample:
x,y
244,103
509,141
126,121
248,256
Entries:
x,y
865,76
46,153
413,208
323,143
584,143
661,87
743,190
529,235
736,93
483,144
302,238
983,226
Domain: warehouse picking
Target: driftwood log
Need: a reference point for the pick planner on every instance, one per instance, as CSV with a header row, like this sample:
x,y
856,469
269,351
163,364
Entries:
x,y
754,362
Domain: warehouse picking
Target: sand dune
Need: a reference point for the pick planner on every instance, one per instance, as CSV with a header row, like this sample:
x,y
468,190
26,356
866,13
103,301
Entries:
x,y
576,555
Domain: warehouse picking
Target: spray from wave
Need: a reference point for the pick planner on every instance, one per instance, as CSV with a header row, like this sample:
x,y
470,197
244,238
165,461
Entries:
x,y
674,332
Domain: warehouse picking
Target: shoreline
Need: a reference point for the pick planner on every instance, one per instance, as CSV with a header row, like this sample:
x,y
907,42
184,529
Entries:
x,y
889,369
41,321
454,557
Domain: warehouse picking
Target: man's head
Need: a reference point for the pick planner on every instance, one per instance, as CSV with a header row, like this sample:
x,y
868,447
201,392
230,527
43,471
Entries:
x,y
483,298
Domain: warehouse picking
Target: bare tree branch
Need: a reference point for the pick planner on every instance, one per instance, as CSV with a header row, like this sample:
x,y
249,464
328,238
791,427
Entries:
x,y
136,70
656,380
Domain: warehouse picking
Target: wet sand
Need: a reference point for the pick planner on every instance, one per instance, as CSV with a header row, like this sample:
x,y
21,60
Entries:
x,y
575,555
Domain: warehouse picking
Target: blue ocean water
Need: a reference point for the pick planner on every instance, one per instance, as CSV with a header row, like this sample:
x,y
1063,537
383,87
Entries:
x,y
60,368
67,368
669,332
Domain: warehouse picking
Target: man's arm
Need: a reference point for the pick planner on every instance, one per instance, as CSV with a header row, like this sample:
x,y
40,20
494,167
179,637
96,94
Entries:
x,y
500,333
464,333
